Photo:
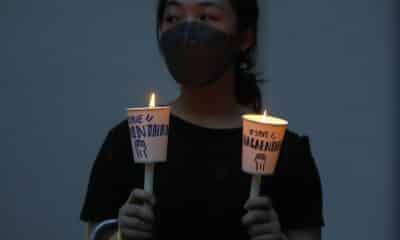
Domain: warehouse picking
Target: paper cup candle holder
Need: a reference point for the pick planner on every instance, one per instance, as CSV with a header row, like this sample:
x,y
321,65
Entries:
x,y
262,140
148,128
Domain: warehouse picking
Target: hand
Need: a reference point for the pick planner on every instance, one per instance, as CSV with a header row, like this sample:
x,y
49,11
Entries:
x,y
261,220
136,216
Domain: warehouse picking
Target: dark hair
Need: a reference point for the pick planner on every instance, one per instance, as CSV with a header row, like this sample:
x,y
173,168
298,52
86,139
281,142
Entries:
x,y
247,91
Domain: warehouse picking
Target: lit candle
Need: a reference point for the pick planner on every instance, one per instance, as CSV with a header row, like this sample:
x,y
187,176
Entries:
x,y
149,167
152,102
265,118
262,139
148,128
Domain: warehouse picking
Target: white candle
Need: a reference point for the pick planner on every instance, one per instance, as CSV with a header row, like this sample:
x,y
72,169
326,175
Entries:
x,y
149,167
255,186
148,177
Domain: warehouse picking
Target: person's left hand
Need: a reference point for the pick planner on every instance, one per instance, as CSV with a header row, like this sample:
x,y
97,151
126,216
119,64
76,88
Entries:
x,y
261,220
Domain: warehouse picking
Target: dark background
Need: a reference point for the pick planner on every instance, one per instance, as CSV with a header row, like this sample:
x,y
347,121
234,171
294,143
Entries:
x,y
69,68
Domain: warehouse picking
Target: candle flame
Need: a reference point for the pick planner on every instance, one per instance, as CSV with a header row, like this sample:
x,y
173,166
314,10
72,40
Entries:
x,y
264,117
152,102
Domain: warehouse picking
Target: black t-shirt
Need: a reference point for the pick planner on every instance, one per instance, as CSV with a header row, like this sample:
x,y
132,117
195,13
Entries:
x,y
201,189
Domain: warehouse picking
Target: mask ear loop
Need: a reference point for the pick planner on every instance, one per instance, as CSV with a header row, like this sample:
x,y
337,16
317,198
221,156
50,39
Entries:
x,y
243,63
244,59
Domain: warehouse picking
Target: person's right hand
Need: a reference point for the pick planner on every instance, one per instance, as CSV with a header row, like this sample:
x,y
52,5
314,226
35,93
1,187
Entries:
x,y
136,216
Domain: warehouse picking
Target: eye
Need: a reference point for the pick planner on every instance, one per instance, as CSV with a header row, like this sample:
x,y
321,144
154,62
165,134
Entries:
x,y
171,19
203,17
208,18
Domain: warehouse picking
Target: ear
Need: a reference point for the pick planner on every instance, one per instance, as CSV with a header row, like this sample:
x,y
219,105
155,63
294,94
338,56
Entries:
x,y
247,40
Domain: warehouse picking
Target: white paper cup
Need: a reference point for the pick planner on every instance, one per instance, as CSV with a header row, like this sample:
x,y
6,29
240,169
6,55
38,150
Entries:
x,y
262,141
148,129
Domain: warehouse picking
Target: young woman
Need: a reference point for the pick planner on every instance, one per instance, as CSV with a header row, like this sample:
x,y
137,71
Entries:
x,y
201,191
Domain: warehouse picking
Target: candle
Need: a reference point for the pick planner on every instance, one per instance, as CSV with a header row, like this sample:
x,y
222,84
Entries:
x,y
152,102
149,167
265,118
148,128
262,140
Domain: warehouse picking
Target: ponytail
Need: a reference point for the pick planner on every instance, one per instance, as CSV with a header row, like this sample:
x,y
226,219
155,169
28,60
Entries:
x,y
247,91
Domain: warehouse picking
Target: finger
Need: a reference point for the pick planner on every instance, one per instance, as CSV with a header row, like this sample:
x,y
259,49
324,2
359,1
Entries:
x,y
259,202
134,234
273,236
131,198
258,216
140,196
135,224
144,212
264,228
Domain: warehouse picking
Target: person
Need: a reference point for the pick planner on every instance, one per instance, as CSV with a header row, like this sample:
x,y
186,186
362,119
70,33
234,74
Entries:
x,y
201,191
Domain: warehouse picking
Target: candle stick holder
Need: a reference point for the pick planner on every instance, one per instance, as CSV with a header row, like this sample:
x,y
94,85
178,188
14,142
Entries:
x,y
148,129
262,140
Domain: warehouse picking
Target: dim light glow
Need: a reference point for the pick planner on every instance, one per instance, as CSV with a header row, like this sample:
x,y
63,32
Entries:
x,y
264,117
152,102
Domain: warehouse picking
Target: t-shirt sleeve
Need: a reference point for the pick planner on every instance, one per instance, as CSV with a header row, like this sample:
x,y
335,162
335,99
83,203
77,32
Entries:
x,y
106,191
298,194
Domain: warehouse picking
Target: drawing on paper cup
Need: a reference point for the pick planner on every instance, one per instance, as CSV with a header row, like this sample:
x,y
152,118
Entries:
x,y
148,128
260,160
141,148
262,141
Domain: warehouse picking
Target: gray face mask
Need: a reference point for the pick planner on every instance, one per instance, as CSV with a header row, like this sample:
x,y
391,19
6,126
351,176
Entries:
x,y
197,54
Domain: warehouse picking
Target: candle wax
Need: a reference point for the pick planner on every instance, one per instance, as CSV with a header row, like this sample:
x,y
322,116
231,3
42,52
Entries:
x,y
259,118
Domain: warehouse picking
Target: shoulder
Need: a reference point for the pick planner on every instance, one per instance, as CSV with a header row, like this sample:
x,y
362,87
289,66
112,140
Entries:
x,y
121,149
120,126
120,129
293,141
118,136
296,155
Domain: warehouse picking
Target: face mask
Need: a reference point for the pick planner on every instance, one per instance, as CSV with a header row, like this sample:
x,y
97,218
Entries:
x,y
197,54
